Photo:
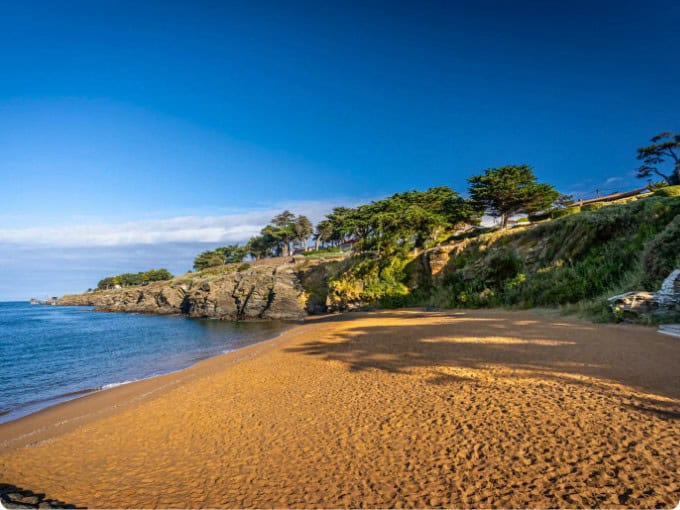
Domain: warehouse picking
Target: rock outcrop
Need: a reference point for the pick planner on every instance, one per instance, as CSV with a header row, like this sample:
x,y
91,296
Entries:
x,y
12,496
576,259
633,304
263,291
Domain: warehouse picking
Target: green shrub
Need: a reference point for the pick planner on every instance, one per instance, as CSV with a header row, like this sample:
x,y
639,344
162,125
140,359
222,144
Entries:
x,y
475,232
657,185
501,266
668,191
323,251
567,211
243,267
575,263
539,216
216,271
594,207
661,255
579,259
627,200
379,281
134,279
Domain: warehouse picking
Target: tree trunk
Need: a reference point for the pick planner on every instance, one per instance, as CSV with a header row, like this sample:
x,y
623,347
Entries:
x,y
504,220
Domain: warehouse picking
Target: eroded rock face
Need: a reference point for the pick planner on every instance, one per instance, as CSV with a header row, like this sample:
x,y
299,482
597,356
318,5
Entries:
x,y
264,292
436,260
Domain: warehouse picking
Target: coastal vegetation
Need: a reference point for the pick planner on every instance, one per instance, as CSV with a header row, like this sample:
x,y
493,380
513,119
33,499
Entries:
x,y
510,190
132,279
226,255
402,221
427,248
398,223
668,191
280,238
575,261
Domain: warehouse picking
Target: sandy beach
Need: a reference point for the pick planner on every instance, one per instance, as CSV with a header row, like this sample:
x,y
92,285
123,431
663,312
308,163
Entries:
x,y
383,409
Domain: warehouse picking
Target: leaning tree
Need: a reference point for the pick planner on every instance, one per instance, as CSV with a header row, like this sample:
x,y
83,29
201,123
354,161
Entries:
x,y
665,149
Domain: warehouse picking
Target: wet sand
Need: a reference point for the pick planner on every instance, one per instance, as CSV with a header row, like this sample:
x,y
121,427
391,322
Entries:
x,y
387,409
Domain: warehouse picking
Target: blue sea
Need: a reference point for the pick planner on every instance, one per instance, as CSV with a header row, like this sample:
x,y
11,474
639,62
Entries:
x,y
50,354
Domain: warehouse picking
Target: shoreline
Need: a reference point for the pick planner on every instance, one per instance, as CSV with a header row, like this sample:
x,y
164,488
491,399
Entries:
x,y
174,360
93,404
403,408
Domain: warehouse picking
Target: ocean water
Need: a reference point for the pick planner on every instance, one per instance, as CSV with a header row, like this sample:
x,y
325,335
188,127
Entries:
x,y
49,354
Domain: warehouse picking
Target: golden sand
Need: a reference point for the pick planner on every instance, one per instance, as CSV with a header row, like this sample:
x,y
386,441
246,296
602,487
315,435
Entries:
x,y
386,409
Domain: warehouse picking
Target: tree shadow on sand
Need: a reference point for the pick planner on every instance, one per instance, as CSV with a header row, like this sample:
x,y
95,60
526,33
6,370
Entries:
x,y
546,347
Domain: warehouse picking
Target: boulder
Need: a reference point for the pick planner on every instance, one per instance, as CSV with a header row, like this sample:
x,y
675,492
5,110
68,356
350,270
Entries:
x,y
665,301
632,304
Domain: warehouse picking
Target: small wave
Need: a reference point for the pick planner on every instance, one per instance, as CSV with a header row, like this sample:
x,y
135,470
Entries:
x,y
188,354
115,384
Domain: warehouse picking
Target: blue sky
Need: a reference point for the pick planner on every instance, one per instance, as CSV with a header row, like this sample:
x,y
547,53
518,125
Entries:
x,y
134,134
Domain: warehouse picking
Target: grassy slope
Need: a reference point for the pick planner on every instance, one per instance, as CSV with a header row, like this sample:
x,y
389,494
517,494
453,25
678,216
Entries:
x,y
575,261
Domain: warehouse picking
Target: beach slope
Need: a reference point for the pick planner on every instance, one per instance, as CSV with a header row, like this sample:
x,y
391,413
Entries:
x,y
387,409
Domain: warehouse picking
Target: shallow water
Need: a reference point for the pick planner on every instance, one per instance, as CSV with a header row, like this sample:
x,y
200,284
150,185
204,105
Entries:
x,y
52,354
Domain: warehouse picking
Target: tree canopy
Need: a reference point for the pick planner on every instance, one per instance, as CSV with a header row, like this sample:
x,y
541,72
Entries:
x,y
398,223
132,279
302,229
564,201
419,219
409,219
276,239
262,246
665,149
509,190
220,256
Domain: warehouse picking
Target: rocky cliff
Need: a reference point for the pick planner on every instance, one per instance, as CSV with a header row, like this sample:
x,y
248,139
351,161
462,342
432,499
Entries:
x,y
267,290
577,261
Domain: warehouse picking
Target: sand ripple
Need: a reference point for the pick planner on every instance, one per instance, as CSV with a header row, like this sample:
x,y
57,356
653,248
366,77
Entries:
x,y
393,409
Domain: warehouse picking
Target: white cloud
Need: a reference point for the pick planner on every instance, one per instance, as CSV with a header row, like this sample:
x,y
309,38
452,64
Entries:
x,y
185,229
51,261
